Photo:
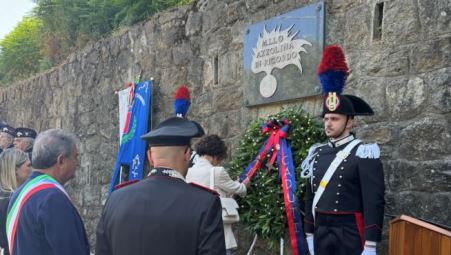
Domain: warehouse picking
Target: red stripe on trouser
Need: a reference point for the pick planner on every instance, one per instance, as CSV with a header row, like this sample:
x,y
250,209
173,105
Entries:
x,y
360,227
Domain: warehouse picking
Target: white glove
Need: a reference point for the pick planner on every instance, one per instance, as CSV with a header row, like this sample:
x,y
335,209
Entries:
x,y
369,250
311,248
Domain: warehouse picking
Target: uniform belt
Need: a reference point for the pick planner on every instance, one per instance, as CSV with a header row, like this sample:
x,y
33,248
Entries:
x,y
334,219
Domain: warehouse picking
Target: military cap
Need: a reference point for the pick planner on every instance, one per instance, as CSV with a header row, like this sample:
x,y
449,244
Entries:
x,y
25,132
347,105
8,129
174,131
332,73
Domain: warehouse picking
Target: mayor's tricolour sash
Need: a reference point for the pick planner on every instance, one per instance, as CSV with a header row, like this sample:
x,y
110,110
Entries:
x,y
37,184
341,155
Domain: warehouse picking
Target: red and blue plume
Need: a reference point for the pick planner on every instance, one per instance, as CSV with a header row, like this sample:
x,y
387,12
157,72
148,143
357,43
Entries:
x,y
333,70
182,101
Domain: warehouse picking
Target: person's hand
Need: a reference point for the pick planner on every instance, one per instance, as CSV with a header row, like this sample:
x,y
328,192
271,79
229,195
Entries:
x,y
311,248
246,182
369,250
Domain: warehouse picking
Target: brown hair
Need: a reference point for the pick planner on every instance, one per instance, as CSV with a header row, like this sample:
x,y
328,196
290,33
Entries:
x,y
211,145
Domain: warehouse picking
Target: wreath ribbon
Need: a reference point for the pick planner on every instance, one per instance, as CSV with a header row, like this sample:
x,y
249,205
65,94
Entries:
x,y
277,147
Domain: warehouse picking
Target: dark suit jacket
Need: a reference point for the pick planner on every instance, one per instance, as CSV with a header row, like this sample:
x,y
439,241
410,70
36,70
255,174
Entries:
x,y
161,215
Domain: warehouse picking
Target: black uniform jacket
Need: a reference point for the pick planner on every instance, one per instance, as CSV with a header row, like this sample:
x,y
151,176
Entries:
x,y
4,200
357,186
161,215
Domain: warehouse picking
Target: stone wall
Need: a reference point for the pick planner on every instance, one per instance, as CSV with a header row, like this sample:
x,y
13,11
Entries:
x,y
405,76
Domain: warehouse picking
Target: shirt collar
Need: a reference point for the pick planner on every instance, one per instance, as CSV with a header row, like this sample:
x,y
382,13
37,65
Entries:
x,y
339,142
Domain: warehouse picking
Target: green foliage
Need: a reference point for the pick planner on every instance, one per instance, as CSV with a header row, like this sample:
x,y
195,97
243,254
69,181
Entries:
x,y
263,209
21,51
70,24
66,25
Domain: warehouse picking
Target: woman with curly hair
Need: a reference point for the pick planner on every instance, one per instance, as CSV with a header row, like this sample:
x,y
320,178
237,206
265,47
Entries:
x,y
14,170
212,150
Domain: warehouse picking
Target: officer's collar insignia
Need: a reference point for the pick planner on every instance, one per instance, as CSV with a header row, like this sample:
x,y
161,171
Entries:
x,y
19,134
332,101
166,172
337,143
5,129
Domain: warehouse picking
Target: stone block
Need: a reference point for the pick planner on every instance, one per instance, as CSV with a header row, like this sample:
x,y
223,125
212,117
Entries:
x,y
439,85
337,6
214,16
86,104
225,124
381,133
181,54
91,197
435,17
195,73
172,32
218,42
92,144
238,29
422,176
335,27
208,71
406,98
236,11
164,57
380,62
357,28
427,138
400,24
431,55
226,99
434,207
372,90
202,105
193,24
228,68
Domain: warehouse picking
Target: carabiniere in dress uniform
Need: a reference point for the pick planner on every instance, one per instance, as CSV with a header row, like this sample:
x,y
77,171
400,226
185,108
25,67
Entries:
x,y
345,188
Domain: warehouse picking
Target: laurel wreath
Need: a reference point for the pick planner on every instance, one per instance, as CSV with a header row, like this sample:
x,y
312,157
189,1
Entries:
x,y
263,209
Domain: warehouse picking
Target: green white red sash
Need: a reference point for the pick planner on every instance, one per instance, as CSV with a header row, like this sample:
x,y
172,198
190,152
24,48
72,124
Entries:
x,y
39,183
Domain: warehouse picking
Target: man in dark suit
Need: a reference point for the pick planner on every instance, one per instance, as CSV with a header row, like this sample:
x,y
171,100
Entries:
x,y
162,214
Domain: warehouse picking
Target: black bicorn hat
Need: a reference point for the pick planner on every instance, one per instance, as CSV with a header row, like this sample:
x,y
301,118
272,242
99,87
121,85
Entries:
x,y
333,72
174,131
25,132
8,129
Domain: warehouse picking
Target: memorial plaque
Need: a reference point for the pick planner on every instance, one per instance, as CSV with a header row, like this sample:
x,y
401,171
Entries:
x,y
281,55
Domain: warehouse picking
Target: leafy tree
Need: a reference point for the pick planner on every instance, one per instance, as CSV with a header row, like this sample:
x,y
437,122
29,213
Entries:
x,y
20,53
58,27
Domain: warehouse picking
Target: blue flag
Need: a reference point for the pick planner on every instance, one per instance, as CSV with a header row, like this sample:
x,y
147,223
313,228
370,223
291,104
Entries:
x,y
132,150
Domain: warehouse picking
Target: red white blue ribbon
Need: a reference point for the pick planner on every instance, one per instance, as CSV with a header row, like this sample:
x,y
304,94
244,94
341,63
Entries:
x,y
277,147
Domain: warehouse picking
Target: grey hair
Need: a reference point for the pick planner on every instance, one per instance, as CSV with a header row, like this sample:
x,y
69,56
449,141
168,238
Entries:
x,y
49,145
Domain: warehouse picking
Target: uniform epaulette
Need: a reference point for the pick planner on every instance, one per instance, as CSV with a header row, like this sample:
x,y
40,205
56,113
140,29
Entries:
x,y
307,164
124,184
204,188
370,150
